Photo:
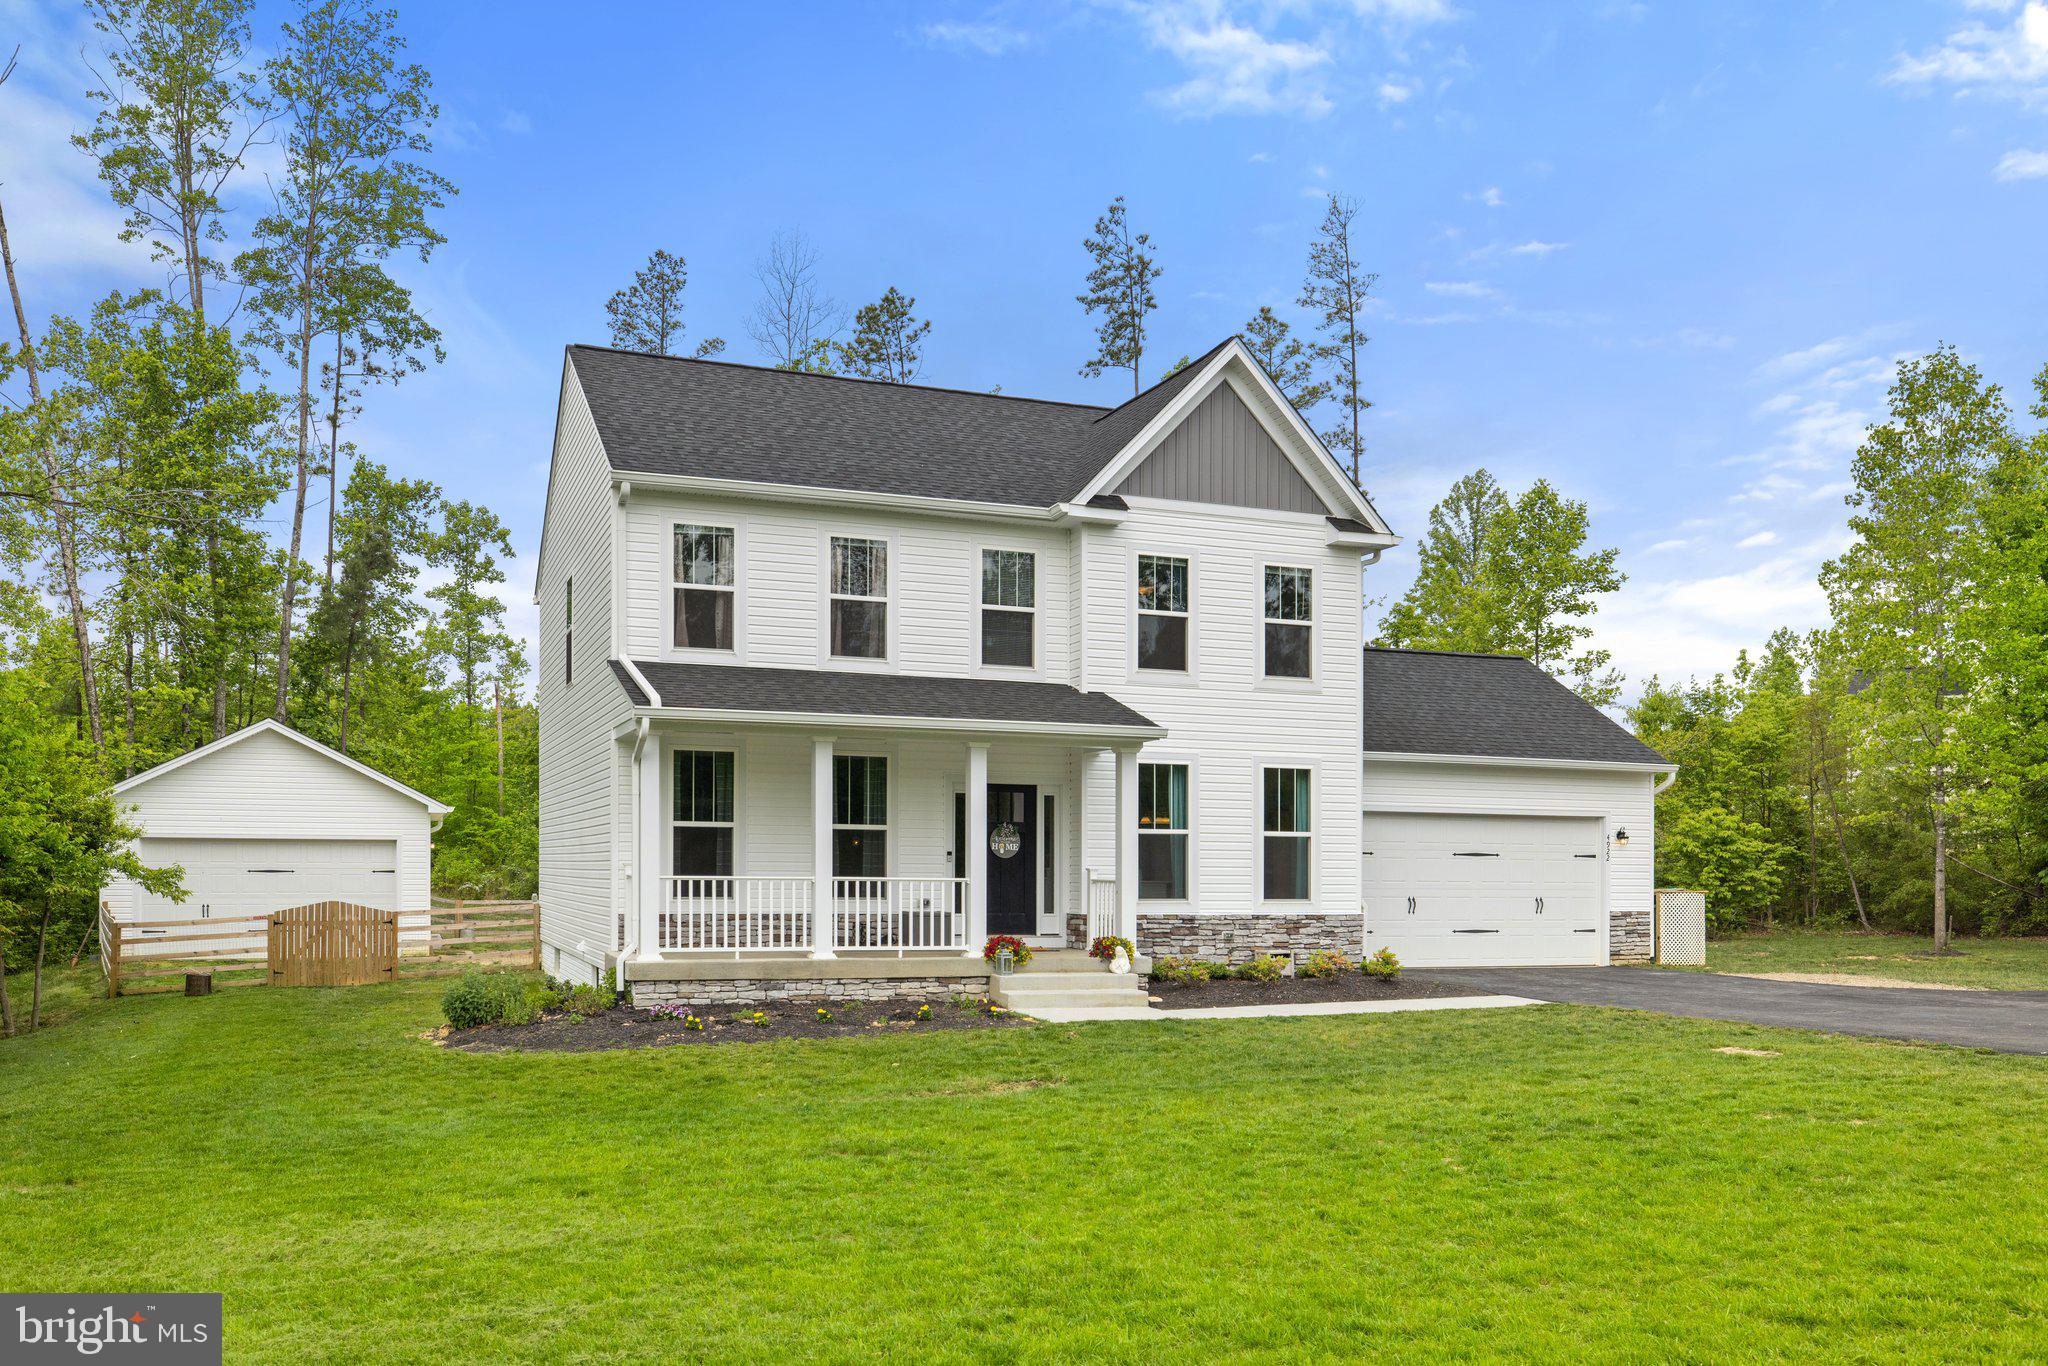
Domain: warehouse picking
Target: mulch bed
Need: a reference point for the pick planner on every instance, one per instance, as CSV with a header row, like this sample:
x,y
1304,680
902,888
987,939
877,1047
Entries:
x,y
1288,991
625,1027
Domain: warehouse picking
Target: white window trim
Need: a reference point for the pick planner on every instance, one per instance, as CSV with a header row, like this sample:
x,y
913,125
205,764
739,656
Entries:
x,y
893,570
569,631
1037,610
1194,896
694,655
1260,767
1314,681
887,754
735,744
1171,678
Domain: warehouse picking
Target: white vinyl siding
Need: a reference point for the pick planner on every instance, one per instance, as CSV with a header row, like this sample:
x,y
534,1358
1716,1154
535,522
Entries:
x,y
581,783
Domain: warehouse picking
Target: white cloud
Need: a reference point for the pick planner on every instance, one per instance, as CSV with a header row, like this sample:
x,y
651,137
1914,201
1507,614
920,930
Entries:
x,y
1760,538
512,121
1462,289
1491,197
1394,91
2009,62
1534,247
2022,164
1236,69
1665,547
59,218
988,39
1259,158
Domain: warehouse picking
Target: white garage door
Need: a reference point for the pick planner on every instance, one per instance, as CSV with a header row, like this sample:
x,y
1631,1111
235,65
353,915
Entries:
x,y
1483,891
227,878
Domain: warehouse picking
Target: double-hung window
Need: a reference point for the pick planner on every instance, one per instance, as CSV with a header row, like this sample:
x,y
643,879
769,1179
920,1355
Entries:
x,y
1290,629
1288,826
1009,608
1162,832
860,598
1163,613
703,820
860,815
704,587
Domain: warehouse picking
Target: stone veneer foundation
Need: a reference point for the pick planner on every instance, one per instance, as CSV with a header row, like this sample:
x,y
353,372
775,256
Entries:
x,y
746,991
1240,938
1628,936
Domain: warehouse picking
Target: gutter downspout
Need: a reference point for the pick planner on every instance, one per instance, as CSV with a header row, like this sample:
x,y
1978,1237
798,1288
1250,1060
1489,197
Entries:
x,y
1664,783
632,944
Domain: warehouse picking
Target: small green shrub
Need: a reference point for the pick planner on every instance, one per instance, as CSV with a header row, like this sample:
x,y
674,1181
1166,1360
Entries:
x,y
1382,964
1191,971
481,998
1324,963
757,1018
924,1012
824,1015
589,1000
1264,968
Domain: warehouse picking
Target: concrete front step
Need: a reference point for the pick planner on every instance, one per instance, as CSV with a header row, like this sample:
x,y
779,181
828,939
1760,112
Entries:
x,y
1027,989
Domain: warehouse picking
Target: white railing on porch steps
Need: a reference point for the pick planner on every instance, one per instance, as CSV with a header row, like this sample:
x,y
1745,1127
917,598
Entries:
x,y
1101,904
899,913
736,915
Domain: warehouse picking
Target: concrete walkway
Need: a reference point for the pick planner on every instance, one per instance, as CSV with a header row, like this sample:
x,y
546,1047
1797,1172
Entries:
x,y
1092,1014
2007,1021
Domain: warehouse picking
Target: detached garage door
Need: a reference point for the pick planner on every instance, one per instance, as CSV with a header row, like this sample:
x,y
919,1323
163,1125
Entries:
x,y
228,878
1483,891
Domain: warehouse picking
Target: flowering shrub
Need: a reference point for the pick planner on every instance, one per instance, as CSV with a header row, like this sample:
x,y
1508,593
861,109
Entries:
x,y
1382,964
1020,952
672,1010
1173,968
692,1023
757,1018
1105,947
1324,963
924,1012
824,1014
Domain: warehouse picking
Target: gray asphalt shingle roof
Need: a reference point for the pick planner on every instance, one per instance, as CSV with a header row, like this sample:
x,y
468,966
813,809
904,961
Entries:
x,y
718,420
1485,706
830,692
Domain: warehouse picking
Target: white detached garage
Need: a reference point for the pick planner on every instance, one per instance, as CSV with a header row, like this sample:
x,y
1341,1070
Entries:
x,y
1506,822
267,819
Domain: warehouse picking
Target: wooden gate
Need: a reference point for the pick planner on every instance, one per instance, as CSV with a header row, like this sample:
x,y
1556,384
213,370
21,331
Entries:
x,y
332,944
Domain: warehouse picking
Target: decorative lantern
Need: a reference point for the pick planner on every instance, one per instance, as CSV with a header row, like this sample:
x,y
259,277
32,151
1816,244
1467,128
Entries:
x,y
1005,962
1621,836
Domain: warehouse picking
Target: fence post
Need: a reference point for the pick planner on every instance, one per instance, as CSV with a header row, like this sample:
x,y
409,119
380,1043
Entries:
x,y
112,944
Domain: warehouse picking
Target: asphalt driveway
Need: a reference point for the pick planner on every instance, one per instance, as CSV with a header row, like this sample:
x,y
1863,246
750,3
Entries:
x,y
2008,1021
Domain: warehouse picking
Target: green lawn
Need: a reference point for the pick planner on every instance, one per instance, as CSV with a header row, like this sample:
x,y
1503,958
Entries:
x,y
1550,1182
2002,964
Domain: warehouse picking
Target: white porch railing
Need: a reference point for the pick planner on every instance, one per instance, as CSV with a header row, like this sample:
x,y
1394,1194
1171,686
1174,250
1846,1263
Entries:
x,y
736,915
1101,905
899,913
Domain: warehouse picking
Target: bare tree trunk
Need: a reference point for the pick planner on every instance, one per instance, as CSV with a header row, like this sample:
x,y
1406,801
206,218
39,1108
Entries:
x,y
1842,846
333,456
6,1002
1940,876
35,1007
498,706
60,513
291,564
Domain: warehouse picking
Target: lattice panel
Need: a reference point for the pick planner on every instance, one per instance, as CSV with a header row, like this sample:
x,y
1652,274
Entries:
x,y
1681,927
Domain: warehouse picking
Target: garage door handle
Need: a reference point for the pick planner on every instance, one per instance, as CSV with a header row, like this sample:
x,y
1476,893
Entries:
x,y
1475,931
1411,905
1539,905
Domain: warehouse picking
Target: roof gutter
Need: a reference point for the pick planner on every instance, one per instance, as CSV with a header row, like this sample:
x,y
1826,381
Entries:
x,y
818,493
1664,783
640,681
1513,761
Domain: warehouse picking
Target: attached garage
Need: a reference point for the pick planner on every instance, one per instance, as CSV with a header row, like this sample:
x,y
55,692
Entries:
x,y
267,819
1506,821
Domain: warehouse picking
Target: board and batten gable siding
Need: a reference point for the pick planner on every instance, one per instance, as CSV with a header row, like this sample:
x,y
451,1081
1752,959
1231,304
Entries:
x,y
1222,454
934,583
1226,719
581,885
1623,799
270,787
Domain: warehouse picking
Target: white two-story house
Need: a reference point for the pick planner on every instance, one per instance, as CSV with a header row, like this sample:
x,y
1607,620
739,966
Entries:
x,y
840,678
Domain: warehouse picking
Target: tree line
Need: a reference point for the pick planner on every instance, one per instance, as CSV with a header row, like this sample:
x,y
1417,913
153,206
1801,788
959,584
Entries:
x,y
797,325
178,475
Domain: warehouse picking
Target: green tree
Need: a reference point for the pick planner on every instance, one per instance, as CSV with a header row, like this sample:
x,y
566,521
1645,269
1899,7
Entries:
x,y
1899,594
1335,291
1495,576
888,340
177,116
351,196
466,549
1288,361
647,315
1120,289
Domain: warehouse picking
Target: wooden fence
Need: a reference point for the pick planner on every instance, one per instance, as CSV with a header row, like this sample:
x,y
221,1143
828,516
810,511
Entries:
x,y
327,944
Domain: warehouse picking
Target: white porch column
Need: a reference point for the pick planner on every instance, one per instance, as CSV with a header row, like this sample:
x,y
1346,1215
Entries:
x,y
821,848
1127,844
650,883
977,849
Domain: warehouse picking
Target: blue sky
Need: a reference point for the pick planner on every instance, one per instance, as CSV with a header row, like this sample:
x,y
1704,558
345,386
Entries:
x,y
1660,253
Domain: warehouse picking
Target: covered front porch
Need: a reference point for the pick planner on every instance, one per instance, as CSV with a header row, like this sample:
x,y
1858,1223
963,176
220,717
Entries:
x,y
861,844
